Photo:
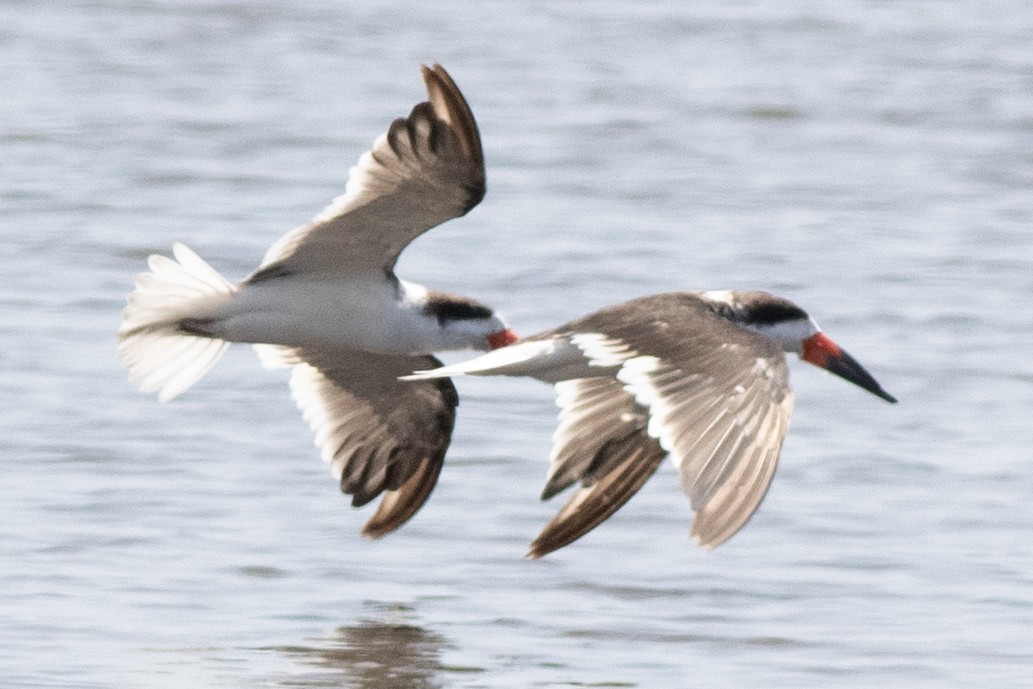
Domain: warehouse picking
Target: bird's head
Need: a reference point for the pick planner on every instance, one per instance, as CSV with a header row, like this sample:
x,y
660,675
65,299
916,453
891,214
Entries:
x,y
787,324
467,324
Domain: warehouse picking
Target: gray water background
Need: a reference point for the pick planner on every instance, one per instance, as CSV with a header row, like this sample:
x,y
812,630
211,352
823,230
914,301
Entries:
x,y
871,160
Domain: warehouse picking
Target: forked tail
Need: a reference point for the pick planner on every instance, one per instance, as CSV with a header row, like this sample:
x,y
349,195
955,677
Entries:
x,y
154,343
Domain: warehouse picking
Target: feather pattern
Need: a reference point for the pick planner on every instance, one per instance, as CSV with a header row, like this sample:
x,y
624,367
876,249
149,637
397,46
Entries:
x,y
427,168
699,376
718,400
378,434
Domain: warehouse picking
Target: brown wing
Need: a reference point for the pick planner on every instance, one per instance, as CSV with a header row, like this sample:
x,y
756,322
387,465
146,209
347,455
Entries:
x,y
427,168
601,441
717,394
723,433
379,434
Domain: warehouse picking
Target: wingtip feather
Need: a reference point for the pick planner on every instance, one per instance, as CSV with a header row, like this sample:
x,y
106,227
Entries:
x,y
591,505
398,506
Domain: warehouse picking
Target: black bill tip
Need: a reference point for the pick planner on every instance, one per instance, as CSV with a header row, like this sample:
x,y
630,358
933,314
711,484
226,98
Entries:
x,y
820,350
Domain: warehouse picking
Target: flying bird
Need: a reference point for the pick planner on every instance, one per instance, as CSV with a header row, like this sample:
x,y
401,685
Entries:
x,y
699,376
326,302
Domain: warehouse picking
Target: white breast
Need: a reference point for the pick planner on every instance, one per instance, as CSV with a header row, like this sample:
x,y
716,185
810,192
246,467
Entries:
x,y
327,313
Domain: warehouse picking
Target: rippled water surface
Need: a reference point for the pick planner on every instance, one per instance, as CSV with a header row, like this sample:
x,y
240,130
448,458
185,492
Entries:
x,y
872,161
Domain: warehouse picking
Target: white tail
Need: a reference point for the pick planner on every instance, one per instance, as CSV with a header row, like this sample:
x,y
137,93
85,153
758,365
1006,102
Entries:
x,y
158,353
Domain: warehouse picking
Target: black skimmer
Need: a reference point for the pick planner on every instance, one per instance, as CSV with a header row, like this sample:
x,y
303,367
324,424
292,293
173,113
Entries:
x,y
325,301
701,376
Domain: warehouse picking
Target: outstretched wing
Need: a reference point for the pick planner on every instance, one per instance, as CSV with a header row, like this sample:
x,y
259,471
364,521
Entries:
x,y
427,168
717,398
657,375
379,434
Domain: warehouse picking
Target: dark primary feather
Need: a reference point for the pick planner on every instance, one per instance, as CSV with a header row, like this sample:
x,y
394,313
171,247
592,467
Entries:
x,y
427,168
381,435
630,461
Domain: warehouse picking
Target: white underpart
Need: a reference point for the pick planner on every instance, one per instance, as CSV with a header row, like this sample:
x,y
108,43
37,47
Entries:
x,y
347,311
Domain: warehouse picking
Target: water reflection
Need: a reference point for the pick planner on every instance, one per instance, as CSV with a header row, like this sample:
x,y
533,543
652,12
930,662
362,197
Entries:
x,y
373,654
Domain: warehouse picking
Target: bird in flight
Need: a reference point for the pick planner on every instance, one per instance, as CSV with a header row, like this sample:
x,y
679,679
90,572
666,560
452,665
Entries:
x,y
326,302
699,376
